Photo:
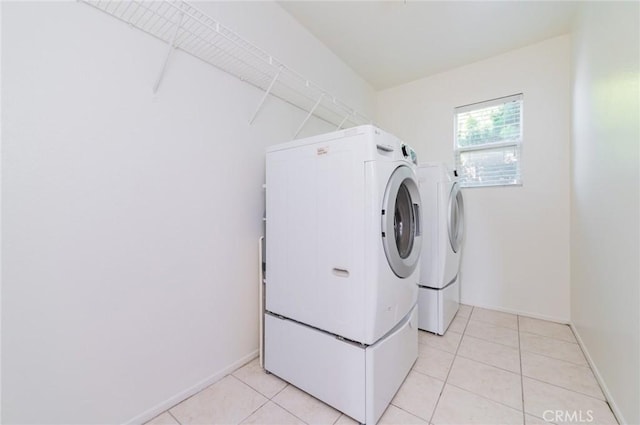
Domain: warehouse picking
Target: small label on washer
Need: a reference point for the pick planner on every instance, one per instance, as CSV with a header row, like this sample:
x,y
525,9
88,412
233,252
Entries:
x,y
322,151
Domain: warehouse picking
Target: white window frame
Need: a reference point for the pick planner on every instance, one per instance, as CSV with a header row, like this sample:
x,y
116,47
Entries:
x,y
515,143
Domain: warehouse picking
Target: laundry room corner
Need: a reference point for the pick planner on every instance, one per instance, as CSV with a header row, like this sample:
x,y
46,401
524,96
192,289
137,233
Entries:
x,y
516,256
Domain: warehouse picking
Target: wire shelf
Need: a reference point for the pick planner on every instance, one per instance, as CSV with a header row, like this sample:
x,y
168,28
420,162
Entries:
x,y
185,27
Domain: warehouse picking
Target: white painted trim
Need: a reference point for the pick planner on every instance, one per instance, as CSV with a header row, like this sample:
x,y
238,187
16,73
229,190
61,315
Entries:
x,y
1,233
605,390
562,320
185,394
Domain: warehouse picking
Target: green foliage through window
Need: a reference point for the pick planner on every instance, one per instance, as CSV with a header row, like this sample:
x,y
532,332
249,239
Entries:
x,y
487,142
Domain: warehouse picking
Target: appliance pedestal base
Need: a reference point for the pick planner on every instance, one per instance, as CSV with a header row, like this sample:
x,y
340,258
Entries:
x,y
360,381
438,307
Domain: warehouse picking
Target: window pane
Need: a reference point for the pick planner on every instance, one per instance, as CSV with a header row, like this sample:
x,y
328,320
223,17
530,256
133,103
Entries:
x,y
490,167
492,124
487,142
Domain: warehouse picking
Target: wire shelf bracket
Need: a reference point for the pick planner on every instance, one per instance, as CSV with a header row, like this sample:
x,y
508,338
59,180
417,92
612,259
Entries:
x,y
170,49
308,116
184,27
346,117
264,97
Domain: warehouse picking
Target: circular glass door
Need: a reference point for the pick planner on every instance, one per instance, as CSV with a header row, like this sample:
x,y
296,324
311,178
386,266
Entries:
x,y
401,222
456,218
404,222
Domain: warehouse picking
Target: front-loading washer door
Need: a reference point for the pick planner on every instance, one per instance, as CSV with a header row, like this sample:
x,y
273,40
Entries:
x,y
455,222
401,222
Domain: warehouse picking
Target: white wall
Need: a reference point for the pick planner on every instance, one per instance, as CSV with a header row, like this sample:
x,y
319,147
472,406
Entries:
x,y
130,221
1,315
516,252
605,195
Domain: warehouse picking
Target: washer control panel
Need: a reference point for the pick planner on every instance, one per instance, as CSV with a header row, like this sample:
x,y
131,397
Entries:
x,y
409,154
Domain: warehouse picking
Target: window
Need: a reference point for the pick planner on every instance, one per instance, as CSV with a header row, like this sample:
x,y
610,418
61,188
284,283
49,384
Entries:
x,y
488,139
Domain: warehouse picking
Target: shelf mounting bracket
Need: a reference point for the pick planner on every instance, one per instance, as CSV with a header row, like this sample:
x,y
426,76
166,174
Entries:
x,y
309,115
169,51
264,97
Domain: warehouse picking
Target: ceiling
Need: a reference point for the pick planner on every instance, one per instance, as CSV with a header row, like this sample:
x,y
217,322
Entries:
x,y
389,43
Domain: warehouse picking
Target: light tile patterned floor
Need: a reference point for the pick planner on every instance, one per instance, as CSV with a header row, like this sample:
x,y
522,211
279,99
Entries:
x,y
489,368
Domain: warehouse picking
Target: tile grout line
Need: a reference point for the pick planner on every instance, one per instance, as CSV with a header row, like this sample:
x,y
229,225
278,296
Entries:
x,y
405,411
211,385
426,344
435,407
293,414
566,389
555,340
339,416
484,322
174,418
281,390
550,337
555,358
493,341
430,376
269,399
190,397
568,363
284,408
437,348
484,362
524,420
488,364
484,397
254,390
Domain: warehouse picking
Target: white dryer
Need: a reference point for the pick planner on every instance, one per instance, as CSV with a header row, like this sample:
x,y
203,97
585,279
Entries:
x,y
343,258
443,221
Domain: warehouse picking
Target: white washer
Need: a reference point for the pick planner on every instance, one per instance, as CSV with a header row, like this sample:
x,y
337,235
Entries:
x,y
343,259
443,222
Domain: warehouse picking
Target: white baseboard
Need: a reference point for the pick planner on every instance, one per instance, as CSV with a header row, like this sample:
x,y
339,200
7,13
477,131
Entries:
x,y
605,390
185,394
562,320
